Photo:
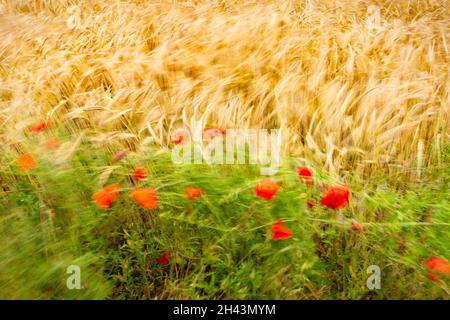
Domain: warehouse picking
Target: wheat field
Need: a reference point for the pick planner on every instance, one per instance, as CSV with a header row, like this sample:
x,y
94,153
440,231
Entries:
x,y
93,93
351,84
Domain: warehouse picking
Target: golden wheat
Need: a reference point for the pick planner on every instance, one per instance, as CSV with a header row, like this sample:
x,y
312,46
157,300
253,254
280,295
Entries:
x,y
347,87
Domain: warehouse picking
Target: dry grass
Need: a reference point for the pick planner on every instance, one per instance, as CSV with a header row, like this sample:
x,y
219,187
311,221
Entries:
x,y
345,92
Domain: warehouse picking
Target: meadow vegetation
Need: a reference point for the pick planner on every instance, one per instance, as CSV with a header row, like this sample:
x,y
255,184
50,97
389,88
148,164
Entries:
x,y
92,90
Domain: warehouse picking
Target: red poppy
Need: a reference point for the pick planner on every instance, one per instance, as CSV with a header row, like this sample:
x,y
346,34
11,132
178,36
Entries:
x,y
280,232
51,143
336,197
305,175
139,174
193,193
439,265
38,127
357,227
432,277
310,204
26,162
179,138
266,189
146,198
104,197
163,259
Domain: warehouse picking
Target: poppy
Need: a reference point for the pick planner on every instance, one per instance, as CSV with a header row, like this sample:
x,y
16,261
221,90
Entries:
x,y
310,204
336,197
266,189
104,197
357,227
438,265
51,144
39,127
163,259
139,174
192,193
26,162
305,175
280,232
180,138
432,277
145,197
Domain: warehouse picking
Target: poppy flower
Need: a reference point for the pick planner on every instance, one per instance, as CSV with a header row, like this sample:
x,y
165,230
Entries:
x,y
432,277
104,197
51,144
192,193
26,162
305,175
310,204
139,174
439,265
163,259
280,232
39,127
357,227
145,197
180,137
336,197
266,189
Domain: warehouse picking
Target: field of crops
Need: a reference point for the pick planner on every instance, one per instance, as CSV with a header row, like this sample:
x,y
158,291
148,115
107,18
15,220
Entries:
x,y
97,96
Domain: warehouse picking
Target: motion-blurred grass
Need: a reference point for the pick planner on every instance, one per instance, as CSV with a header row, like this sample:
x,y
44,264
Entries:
x,y
220,244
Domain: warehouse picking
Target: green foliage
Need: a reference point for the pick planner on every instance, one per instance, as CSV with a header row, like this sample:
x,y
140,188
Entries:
x,y
220,245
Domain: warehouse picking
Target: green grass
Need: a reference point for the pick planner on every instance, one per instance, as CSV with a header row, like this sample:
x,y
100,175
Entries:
x,y
219,245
